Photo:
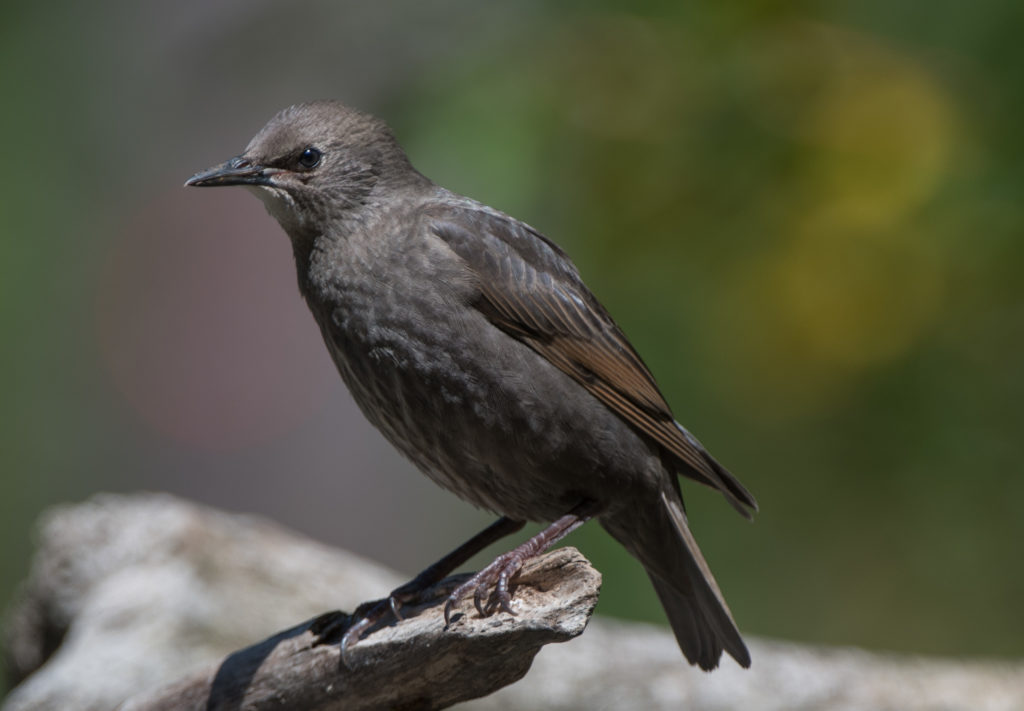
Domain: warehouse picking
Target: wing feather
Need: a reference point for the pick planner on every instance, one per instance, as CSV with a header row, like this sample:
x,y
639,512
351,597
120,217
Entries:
x,y
529,288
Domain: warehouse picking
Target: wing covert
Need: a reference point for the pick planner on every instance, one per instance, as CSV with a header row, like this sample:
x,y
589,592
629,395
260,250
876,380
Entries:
x,y
529,288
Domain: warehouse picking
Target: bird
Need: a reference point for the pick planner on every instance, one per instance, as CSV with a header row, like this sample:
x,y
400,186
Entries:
x,y
470,340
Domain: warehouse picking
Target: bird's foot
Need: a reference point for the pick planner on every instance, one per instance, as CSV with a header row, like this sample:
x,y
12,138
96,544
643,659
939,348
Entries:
x,y
497,576
326,628
330,627
366,616
491,585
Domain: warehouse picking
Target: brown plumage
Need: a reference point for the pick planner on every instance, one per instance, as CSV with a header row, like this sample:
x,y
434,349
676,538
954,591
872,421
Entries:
x,y
550,309
472,343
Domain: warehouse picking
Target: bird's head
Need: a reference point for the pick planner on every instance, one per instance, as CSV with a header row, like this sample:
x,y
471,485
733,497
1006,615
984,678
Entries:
x,y
315,162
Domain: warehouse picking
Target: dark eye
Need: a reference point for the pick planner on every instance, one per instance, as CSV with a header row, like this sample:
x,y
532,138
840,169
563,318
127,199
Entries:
x,y
310,158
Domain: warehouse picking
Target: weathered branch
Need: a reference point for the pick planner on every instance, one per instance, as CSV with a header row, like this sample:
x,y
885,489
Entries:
x,y
418,664
128,594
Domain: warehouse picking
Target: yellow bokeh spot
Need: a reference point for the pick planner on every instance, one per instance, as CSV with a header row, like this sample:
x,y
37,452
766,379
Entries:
x,y
852,281
853,296
880,131
837,300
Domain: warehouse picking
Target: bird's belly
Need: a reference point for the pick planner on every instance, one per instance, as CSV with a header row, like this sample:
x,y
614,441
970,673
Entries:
x,y
487,418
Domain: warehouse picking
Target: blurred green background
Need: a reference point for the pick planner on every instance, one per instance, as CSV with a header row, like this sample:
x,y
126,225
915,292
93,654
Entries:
x,y
809,218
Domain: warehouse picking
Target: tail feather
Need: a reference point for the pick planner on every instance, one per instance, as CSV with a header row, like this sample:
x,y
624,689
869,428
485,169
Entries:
x,y
700,619
696,639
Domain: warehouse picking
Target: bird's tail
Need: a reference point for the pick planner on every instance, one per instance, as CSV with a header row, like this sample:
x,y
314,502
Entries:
x,y
660,539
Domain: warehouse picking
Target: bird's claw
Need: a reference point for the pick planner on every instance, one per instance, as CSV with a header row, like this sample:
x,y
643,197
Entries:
x,y
365,617
396,607
490,587
369,614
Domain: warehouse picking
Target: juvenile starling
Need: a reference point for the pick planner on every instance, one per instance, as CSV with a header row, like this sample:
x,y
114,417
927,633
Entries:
x,y
469,340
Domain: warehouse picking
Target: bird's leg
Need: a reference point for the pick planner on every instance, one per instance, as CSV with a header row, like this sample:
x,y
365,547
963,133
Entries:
x,y
441,569
503,569
369,614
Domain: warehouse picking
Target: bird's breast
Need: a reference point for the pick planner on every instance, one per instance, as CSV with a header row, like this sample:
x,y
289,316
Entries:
x,y
478,411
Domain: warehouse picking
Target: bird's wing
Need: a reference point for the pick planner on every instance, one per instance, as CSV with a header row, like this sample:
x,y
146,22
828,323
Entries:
x,y
529,288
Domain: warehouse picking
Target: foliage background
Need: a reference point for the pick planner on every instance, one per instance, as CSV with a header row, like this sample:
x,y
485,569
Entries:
x,y
807,215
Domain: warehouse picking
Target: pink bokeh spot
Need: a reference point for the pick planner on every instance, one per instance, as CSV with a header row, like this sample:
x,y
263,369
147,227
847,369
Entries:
x,y
201,324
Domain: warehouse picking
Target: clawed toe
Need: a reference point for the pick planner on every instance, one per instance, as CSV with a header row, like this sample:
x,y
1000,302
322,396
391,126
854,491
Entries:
x,y
371,613
363,619
490,588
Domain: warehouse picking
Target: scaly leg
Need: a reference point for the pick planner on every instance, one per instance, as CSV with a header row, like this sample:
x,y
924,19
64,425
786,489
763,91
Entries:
x,y
369,614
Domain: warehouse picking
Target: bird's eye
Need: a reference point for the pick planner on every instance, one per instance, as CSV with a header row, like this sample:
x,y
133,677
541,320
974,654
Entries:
x,y
310,158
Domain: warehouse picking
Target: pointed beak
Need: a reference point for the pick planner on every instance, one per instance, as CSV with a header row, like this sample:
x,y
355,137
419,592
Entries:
x,y
236,171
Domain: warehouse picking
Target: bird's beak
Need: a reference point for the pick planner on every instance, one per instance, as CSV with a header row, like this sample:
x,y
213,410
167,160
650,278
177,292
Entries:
x,y
236,171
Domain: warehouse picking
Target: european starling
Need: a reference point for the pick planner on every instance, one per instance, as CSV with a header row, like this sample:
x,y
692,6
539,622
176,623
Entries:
x,y
471,342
